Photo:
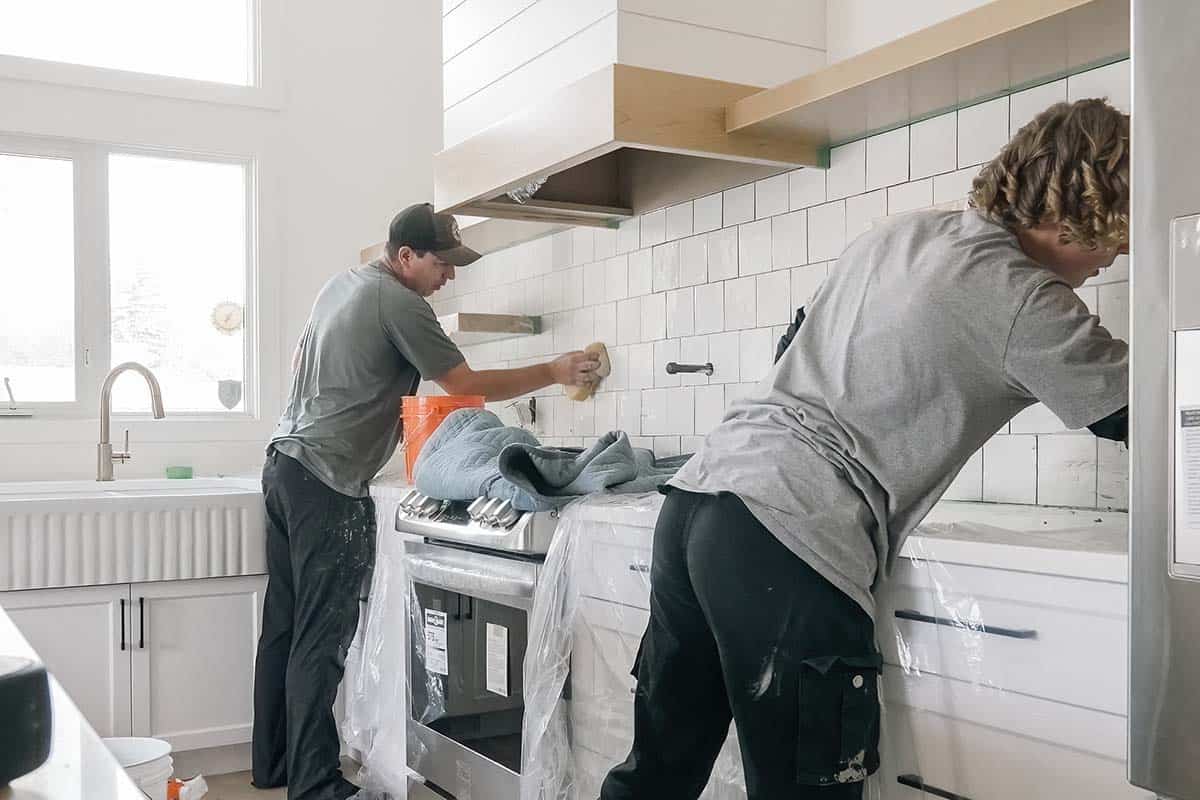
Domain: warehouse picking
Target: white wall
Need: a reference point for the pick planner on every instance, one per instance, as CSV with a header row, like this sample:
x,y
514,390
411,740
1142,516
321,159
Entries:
x,y
718,279
350,143
857,25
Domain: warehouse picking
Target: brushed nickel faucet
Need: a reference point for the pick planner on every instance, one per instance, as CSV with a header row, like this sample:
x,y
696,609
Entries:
x,y
105,456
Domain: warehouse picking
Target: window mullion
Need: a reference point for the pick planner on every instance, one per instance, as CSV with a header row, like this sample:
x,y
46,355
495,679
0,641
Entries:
x,y
93,273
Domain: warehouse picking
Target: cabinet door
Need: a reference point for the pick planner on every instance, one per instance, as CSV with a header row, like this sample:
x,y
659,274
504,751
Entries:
x,y
82,635
193,659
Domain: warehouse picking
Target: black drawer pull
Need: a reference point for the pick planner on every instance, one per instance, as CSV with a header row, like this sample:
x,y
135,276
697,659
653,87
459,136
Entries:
x,y
639,567
1012,633
122,623
141,623
915,782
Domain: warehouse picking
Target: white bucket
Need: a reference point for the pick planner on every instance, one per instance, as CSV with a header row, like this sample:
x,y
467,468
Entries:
x,y
148,763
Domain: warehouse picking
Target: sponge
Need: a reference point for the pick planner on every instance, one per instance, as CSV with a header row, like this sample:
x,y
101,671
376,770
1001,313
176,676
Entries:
x,y
584,391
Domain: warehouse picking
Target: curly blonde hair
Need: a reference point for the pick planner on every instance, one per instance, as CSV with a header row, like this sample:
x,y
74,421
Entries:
x,y
1070,167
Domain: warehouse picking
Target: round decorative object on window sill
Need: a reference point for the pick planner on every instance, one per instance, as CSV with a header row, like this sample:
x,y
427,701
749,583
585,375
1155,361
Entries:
x,y
227,317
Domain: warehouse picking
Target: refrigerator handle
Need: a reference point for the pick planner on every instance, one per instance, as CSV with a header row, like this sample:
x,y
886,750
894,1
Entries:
x,y
1011,633
916,782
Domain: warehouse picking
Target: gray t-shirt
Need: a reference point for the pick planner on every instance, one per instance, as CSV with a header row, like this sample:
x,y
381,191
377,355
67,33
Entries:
x,y
929,335
368,342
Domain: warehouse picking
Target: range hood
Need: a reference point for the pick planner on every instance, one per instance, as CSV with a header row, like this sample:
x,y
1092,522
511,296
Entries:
x,y
619,141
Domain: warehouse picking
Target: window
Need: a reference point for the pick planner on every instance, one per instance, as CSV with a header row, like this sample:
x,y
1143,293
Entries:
x,y
109,256
37,272
207,40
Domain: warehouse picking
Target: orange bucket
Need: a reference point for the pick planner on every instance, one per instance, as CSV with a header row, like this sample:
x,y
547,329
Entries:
x,y
423,414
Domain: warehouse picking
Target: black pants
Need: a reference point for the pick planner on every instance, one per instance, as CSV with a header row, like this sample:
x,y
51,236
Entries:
x,y
741,628
320,548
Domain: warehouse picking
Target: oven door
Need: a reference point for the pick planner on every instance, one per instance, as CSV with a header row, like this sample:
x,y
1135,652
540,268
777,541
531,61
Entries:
x,y
469,630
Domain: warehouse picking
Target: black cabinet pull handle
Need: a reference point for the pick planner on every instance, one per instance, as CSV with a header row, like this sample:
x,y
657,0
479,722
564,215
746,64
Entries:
x,y
916,782
142,623
470,606
122,623
639,567
1012,633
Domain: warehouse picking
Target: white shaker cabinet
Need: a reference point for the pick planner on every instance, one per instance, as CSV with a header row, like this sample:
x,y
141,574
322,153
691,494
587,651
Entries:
x,y
193,659
82,635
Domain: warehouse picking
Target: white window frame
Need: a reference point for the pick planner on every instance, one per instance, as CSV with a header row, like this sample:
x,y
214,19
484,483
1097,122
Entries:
x,y
265,89
93,289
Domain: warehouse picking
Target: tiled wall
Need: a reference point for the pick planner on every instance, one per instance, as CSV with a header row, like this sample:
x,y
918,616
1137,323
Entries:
x,y
718,279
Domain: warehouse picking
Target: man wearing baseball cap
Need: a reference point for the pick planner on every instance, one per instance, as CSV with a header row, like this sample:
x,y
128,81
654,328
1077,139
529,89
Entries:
x,y
369,341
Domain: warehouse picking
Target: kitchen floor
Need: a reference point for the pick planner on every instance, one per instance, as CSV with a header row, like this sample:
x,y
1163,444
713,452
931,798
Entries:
x,y
236,785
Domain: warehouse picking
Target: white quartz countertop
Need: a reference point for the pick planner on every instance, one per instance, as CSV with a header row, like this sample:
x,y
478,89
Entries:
x,y
79,767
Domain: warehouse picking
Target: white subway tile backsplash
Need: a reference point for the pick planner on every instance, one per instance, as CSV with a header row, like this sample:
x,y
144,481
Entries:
x,y
572,296
666,266
741,304
771,196
606,243
738,205
629,321
629,235
665,351
693,350
583,419
693,260
710,408
774,298
735,392
953,186
690,444
757,351
618,379
642,442
723,254
593,282
710,308
654,317
932,146
616,278
725,353
641,366
679,221
789,240
847,173
1024,106
910,196
629,412
887,159
1110,83
982,131
1112,482
706,213
668,412
1037,419
968,484
583,245
654,228
1066,472
665,446
1010,469
806,187
560,250
1114,309
681,313
826,231
641,272
605,323
862,211
805,282
754,247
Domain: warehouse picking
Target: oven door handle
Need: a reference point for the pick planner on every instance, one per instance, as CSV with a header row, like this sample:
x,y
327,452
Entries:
x,y
470,576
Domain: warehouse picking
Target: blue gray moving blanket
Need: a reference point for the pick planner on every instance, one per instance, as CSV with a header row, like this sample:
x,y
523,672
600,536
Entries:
x,y
473,454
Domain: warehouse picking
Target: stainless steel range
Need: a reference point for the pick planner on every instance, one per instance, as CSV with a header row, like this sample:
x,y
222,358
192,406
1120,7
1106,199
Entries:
x,y
473,573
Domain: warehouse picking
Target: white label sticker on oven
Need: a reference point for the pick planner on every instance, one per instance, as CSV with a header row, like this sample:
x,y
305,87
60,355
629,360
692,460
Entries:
x,y
497,659
436,661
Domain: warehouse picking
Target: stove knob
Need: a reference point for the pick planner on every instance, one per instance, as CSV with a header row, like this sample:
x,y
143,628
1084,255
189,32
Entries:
x,y
485,513
428,507
476,506
409,499
508,517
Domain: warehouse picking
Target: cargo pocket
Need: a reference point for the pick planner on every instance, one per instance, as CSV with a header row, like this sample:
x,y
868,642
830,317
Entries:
x,y
838,739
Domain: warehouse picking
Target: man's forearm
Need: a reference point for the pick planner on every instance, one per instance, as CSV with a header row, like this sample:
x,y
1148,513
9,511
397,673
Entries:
x,y
505,384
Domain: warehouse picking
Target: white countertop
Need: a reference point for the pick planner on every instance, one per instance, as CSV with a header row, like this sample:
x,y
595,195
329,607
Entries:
x,y
79,767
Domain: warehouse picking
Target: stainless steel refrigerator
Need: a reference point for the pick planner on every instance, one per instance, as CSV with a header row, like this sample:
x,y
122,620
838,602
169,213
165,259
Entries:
x,y
1164,712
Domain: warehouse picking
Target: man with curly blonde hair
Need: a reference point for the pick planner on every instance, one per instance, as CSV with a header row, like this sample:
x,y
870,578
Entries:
x,y
933,331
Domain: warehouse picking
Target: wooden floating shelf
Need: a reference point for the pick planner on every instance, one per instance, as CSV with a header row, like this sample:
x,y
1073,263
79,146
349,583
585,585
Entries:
x,y
469,329
997,48
618,142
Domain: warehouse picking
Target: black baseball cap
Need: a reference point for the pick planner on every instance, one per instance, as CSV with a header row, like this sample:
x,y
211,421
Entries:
x,y
420,228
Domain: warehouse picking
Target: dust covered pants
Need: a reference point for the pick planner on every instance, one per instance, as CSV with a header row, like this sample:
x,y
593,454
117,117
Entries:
x,y
320,547
741,628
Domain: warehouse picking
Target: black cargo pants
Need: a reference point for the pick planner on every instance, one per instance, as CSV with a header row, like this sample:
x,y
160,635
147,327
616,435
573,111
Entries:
x,y
741,628
320,548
